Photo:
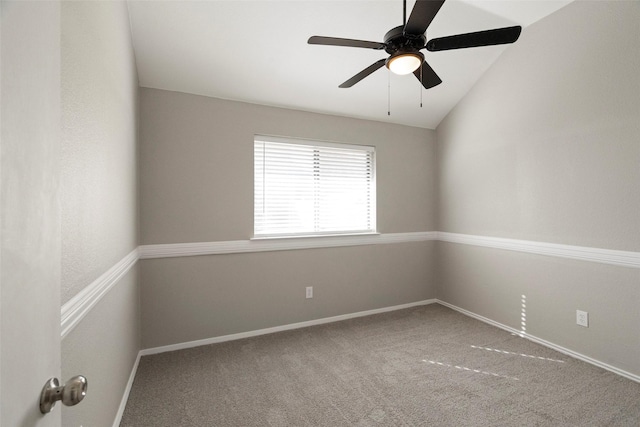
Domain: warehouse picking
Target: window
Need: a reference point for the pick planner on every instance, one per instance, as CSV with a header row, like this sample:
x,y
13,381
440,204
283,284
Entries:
x,y
312,188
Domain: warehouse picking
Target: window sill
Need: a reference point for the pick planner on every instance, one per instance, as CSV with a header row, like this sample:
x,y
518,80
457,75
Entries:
x,y
312,236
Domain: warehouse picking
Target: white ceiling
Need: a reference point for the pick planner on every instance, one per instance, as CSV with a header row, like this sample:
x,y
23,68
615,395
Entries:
x,y
257,51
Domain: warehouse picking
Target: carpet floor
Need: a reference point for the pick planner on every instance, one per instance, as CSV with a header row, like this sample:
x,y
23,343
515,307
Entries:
x,y
423,366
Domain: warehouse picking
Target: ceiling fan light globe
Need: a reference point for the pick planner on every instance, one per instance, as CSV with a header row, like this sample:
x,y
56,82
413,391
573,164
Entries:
x,y
404,63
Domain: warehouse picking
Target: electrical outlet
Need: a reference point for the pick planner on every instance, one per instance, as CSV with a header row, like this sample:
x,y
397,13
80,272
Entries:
x,y
582,318
309,291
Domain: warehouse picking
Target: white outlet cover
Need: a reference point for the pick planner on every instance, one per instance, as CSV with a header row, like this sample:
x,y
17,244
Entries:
x,y
582,318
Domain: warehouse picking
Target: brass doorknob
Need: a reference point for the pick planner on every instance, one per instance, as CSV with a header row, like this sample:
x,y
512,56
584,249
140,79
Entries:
x,y
70,393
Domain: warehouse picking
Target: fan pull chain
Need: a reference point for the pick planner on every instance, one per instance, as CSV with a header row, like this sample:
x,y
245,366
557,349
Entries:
x,y
388,92
421,85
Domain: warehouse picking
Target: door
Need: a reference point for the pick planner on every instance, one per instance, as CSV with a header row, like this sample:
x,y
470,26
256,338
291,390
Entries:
x,y
29,209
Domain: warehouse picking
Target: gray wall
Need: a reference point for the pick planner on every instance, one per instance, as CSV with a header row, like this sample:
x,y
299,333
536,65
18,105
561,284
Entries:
x,y
196,184
99,152
99,199
545,148
197,165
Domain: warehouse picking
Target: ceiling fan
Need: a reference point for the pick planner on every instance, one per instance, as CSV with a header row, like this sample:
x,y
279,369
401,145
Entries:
x,y
403,44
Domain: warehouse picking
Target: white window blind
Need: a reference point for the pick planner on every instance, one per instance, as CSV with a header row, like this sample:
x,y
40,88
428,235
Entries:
x,y
307,188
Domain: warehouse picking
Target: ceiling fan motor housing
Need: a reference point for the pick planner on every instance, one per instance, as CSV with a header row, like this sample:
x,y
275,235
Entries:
x,y
397,41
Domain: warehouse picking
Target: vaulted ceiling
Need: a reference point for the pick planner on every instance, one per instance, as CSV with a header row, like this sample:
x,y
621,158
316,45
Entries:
x,y
257,52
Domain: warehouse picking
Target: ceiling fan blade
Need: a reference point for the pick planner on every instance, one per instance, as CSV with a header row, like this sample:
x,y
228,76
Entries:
x,y
421,16
362,74
429,77
480,38
334,41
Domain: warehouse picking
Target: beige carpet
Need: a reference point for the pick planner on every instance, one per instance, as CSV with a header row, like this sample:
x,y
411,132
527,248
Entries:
x,y
425,366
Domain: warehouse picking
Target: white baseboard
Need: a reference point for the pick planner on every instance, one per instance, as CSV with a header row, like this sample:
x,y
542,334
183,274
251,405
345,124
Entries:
x,y
127,390
241,335
545,343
